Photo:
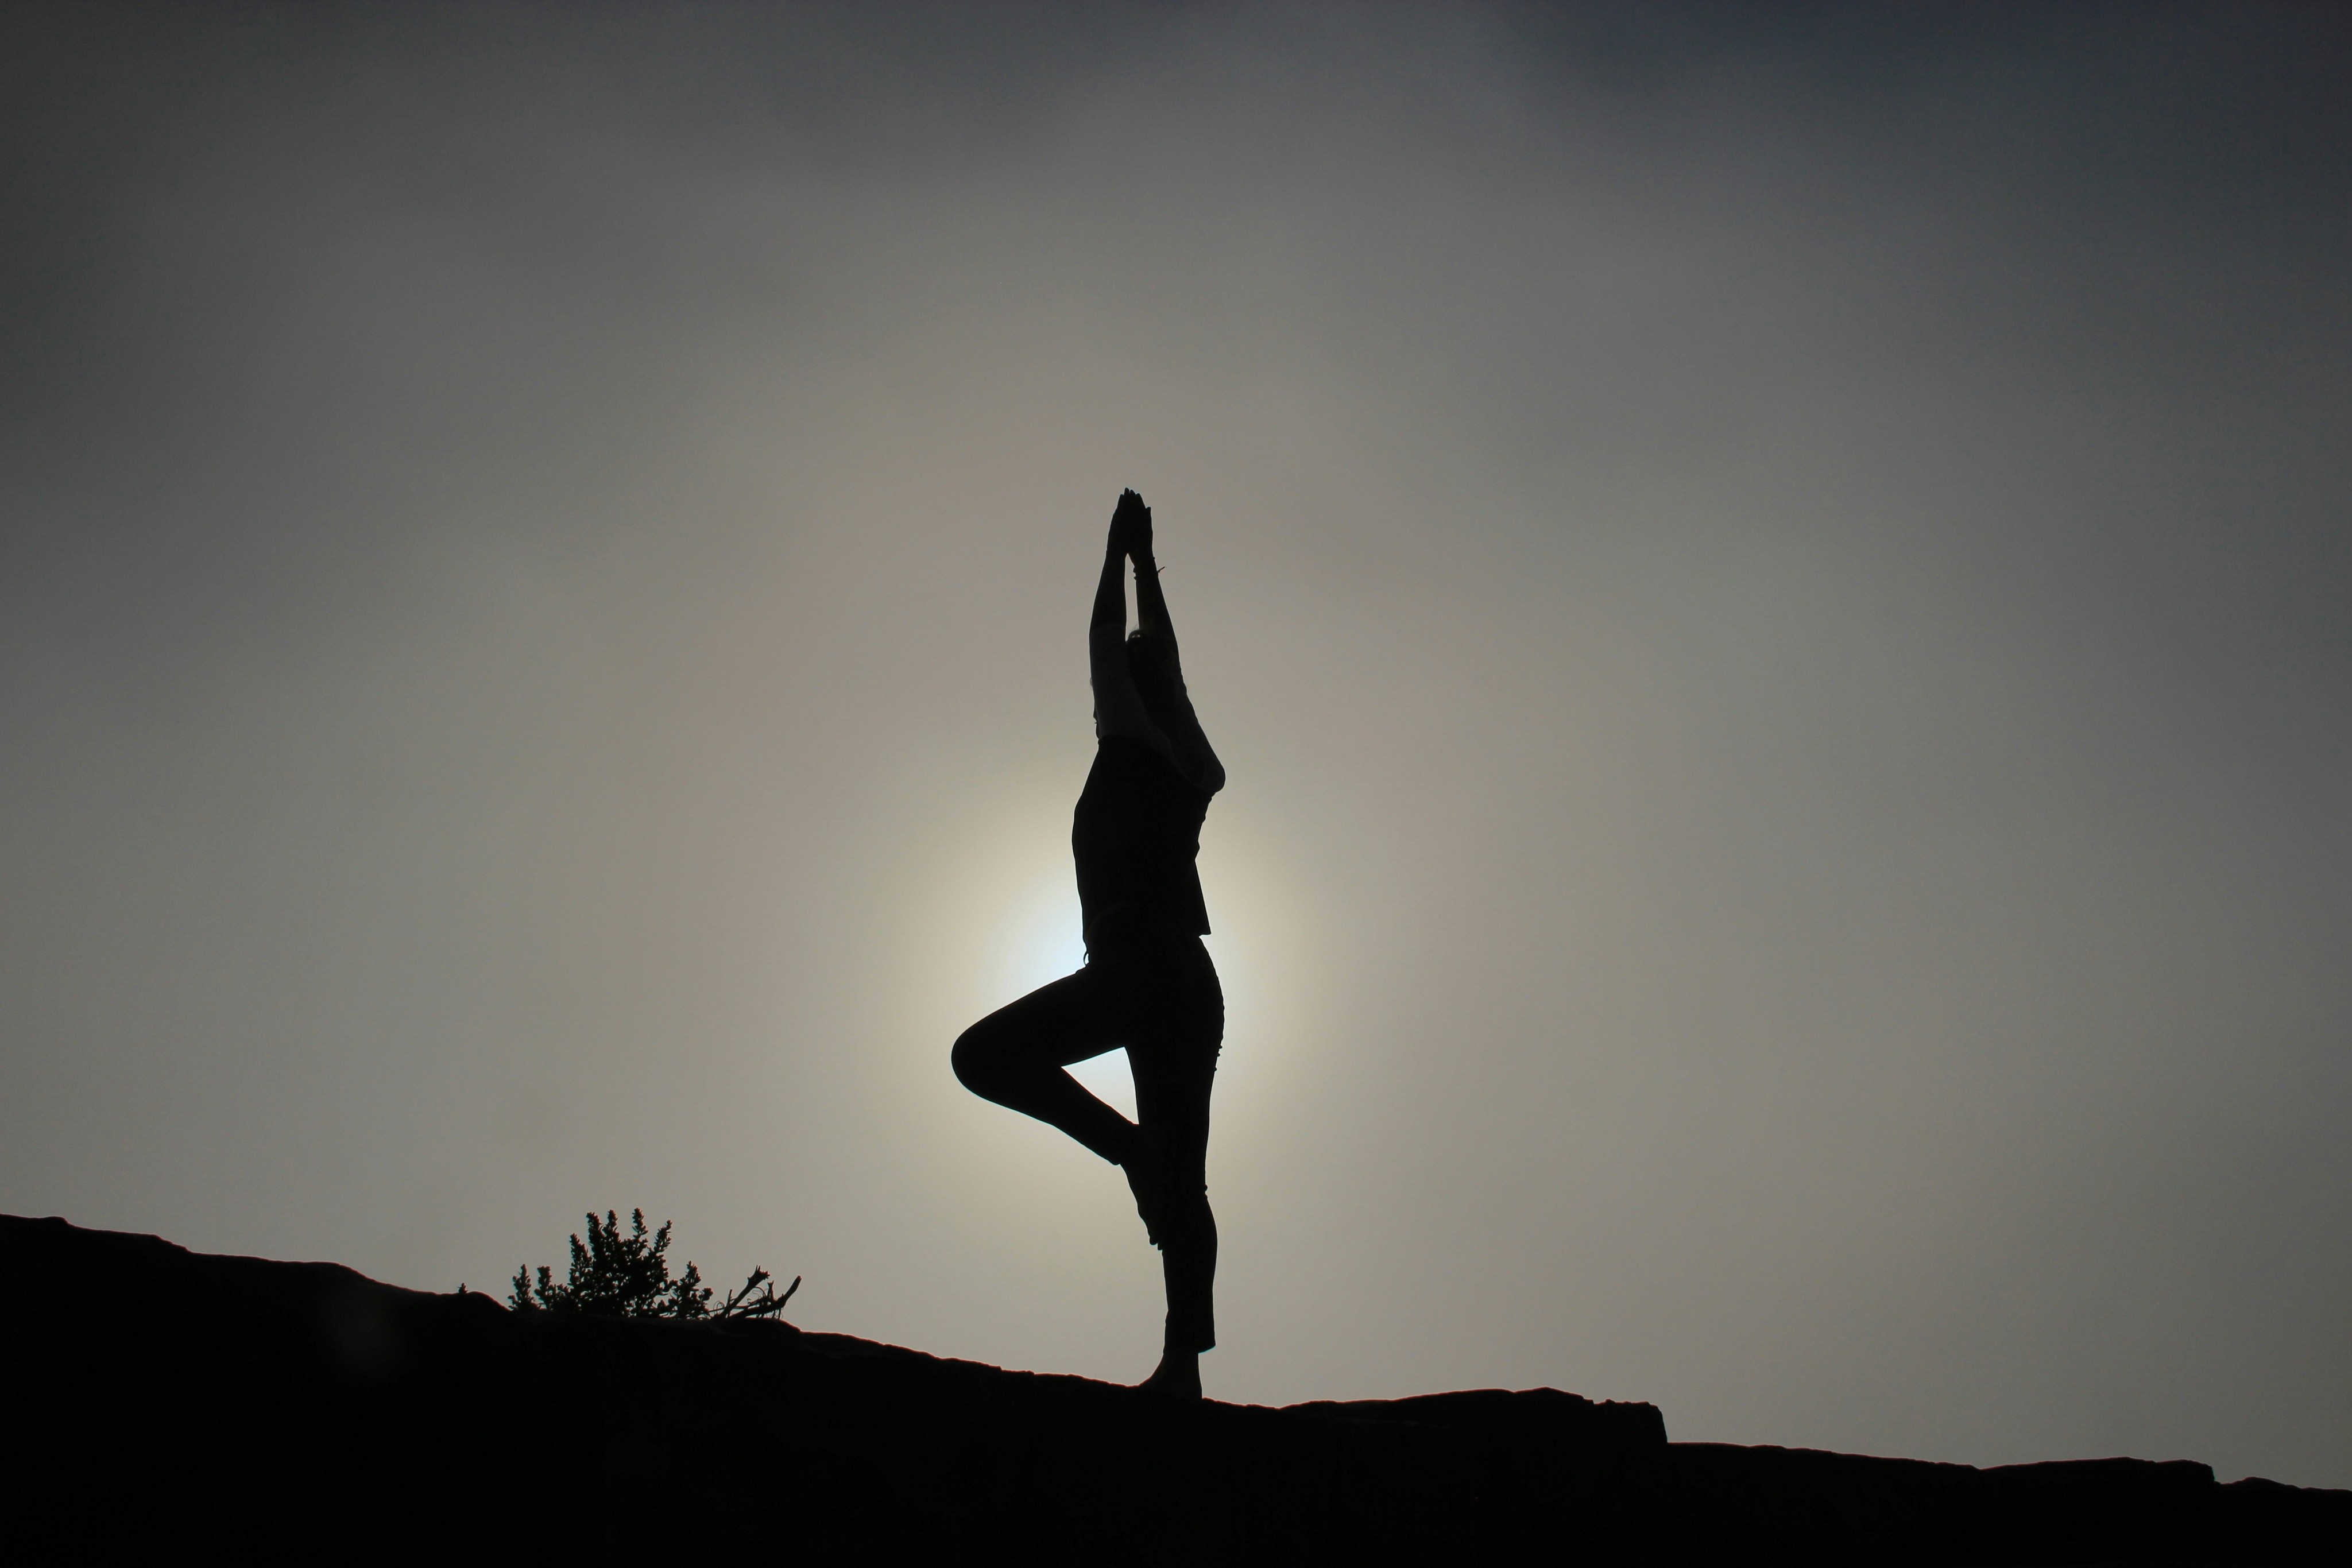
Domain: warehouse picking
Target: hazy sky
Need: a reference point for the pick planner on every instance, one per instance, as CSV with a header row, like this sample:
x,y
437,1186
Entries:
x,y
1773,585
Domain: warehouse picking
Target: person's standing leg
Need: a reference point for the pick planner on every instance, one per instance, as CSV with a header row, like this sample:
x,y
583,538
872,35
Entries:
x,y
1188,1229
1175,1066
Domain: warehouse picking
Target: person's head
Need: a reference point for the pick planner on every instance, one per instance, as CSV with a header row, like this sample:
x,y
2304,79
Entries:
x,y
1158,681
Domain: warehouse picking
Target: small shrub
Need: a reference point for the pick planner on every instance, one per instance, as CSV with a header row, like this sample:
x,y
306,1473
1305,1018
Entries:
x,y
617,1276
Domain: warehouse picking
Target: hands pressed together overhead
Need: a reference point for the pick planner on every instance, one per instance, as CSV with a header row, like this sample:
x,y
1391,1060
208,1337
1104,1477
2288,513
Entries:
x,y
1130,527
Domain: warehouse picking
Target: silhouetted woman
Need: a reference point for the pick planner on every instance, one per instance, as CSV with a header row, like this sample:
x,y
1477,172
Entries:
x,y
1148,984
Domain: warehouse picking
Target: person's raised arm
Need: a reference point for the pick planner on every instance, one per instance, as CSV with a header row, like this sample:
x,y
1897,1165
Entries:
x,y
1118,707
1151,604
1189,746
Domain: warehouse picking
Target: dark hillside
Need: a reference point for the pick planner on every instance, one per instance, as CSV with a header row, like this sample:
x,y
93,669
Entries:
x,y
161,1396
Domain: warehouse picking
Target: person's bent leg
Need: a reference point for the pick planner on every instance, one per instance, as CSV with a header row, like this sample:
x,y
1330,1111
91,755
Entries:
x,y
1015,1056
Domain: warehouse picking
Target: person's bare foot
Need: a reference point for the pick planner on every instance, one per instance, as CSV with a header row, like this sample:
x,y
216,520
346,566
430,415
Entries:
x,y
1177,1378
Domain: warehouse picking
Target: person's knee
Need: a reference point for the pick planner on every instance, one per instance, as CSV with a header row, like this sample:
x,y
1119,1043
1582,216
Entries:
x,y
1186,1216
1184,1143
977,1067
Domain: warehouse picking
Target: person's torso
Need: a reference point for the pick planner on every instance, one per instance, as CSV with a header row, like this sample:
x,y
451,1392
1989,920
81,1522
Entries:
x,y
1136,835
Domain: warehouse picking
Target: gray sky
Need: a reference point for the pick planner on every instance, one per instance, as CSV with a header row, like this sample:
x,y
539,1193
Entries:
x,y
1772,585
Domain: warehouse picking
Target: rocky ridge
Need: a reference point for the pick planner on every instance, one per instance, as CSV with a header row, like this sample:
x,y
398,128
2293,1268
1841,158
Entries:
x,y
304,1406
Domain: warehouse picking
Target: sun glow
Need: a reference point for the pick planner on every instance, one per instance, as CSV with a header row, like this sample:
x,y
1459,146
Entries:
x,y
1011,903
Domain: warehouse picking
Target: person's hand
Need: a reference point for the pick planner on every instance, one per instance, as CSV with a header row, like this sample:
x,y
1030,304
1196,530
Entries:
x,y
1130,527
